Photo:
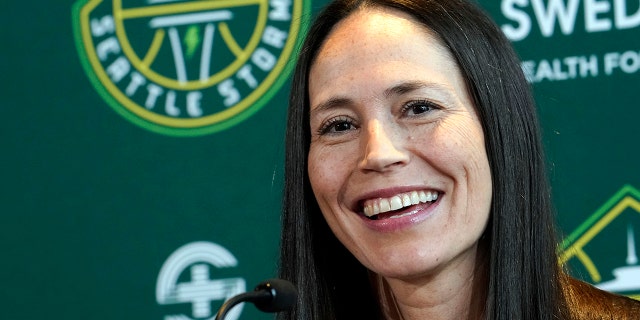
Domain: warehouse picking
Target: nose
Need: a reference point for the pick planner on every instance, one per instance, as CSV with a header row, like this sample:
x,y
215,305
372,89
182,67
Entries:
x,y
382,148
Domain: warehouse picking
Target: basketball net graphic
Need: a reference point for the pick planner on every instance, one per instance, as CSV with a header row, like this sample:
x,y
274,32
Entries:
x,y
187,67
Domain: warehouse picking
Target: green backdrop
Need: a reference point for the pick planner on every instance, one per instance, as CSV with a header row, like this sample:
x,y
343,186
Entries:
x,y
108,204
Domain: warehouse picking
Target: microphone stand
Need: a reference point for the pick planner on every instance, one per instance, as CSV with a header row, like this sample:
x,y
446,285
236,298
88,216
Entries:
x,y
269,296
253,296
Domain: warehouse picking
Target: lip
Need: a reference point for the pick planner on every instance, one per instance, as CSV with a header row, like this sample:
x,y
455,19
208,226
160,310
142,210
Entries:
x,y
411,216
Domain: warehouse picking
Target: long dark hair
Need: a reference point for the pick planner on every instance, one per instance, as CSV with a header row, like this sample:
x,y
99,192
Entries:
x,y
523,274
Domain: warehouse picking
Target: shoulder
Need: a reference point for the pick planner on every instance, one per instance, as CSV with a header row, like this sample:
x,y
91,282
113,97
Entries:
x,y
586,302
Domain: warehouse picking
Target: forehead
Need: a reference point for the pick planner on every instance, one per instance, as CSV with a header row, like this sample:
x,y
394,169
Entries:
x,y
367,25
378,46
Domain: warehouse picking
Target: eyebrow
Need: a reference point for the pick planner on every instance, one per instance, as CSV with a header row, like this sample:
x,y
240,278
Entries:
x,y
409,86
396,90
330,104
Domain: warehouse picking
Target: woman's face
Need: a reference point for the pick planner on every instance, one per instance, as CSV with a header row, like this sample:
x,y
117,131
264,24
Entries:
x,y
397,160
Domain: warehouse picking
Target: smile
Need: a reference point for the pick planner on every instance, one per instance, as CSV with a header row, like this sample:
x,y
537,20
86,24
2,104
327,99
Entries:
x,y
374,207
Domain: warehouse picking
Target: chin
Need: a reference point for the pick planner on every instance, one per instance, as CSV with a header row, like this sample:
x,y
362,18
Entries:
x,y
417,264
401,267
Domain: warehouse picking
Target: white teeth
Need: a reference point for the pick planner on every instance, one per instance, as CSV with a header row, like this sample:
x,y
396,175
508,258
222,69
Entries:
x,y
368,211
396,203
384,205
423,196
381,205
406,200
415,198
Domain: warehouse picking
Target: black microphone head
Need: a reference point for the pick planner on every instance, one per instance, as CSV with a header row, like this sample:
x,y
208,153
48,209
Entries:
x,y
283,295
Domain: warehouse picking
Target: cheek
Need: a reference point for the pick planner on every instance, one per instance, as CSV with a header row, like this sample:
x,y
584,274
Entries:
x,y
477,164
451,147
474,164
462,142
456,148
314,171
324,173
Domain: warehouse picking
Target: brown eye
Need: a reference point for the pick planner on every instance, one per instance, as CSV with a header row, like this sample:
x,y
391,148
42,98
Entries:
x,y
419,107
342,126
337,125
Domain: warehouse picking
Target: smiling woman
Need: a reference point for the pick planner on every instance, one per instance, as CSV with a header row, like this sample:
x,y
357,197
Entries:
x,y
396,132
415,180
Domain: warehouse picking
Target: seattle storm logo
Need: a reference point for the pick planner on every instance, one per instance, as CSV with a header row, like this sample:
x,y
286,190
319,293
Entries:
x,y
185,67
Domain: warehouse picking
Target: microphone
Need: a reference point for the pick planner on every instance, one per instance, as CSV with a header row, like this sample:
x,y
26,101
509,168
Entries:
x,y
273,295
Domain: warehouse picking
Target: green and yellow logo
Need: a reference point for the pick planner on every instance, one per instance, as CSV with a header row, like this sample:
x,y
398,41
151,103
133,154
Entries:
x,y
188,67
603,249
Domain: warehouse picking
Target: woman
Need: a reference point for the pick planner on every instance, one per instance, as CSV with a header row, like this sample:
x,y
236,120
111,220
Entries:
x,y
415,184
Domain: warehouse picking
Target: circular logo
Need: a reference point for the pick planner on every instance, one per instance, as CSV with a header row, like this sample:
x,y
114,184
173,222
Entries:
x,y
196,259
188,68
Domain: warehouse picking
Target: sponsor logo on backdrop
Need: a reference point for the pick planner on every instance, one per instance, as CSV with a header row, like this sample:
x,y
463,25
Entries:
x,y
188,277
558,18
604,248
187,67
